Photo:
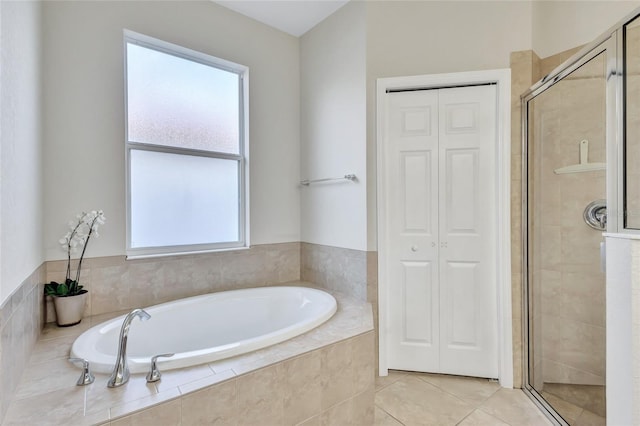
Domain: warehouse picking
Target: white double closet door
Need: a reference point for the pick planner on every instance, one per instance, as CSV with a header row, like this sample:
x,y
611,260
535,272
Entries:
x,y
442,209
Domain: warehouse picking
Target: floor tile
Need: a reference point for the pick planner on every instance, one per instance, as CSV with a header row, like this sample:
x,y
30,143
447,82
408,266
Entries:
x,y
384,381
514,407
480,418
382,418
413,401
469,389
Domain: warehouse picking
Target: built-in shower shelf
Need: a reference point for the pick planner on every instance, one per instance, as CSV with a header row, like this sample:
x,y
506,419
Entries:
x,y
585,165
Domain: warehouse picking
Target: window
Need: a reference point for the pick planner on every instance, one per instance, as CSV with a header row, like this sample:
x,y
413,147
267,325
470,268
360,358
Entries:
x,y
186,150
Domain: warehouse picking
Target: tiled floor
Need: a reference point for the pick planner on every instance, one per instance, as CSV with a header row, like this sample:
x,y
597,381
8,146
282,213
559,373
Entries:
x,y
429,399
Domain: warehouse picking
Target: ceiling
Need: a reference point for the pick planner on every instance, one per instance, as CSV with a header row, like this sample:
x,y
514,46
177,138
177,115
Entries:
x,y
295,17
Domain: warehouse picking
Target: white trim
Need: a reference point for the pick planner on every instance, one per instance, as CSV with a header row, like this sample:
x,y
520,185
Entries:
x,y
502,78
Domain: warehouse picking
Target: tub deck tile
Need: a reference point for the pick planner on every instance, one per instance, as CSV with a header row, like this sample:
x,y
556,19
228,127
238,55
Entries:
x,y
206,381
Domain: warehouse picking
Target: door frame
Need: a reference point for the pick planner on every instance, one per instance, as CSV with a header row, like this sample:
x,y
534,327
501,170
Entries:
x,y
502,79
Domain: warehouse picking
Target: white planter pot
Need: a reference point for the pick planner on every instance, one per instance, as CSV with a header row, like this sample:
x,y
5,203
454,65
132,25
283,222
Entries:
x,y
69,309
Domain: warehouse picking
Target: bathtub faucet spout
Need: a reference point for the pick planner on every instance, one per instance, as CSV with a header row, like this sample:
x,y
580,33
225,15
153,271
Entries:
x,y
120,374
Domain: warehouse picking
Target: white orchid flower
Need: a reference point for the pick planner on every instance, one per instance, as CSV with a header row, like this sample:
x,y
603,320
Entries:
x,y
78,236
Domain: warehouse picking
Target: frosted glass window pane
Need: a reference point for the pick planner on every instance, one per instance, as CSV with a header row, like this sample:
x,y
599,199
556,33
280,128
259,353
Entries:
x,y
182,199
177,102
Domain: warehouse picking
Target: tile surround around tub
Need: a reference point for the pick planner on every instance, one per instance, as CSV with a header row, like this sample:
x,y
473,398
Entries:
x,y
116,284
322,375
21,319
353,272
286,393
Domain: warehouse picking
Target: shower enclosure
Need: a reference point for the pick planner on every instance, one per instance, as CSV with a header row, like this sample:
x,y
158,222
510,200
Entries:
x,y
580,179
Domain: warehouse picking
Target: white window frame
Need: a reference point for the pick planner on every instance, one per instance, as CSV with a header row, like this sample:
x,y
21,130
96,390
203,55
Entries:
x,y
242,157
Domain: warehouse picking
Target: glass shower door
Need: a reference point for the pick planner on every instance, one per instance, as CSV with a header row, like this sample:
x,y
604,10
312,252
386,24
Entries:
x,y
566,215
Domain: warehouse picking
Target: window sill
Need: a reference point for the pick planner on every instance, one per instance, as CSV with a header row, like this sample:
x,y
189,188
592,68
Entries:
x,y
183,253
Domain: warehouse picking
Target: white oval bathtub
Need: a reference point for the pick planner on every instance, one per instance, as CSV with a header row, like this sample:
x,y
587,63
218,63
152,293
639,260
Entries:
x,y
208,328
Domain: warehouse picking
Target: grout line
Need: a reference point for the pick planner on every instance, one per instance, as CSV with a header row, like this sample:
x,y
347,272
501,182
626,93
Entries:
x,y
455,396
389,414
402,375
468,414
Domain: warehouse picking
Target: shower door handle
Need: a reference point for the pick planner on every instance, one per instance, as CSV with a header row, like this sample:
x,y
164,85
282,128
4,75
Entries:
x,y
603,256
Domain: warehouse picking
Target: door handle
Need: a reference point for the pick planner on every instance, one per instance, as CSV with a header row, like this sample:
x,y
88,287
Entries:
x,y
414,248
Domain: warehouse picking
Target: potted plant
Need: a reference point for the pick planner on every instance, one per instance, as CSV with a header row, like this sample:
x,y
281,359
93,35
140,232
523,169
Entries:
x,y
69,297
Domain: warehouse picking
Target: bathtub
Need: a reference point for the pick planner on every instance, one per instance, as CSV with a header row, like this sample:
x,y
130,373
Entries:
x,y
208,328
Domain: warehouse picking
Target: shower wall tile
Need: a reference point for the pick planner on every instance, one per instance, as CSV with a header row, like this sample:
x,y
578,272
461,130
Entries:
x,y
632,150
575,198
575,346
550,246
524,65
117,284
546,65
21,321
565,252
557,372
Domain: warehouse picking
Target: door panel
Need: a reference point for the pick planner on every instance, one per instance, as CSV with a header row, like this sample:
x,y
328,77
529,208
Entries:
x,y
461,182
462,307
416,294
413,156
416,182
467,200
440,154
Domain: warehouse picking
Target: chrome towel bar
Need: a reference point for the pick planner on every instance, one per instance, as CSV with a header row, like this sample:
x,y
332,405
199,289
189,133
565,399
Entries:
x,y
307,182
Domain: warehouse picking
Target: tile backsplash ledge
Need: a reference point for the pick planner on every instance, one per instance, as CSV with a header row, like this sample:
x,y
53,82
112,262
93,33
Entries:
x,y
116,284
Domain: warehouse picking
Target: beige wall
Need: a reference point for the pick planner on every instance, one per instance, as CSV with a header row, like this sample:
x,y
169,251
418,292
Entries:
x,y
84,110
333,129
563,25
21,208
413,38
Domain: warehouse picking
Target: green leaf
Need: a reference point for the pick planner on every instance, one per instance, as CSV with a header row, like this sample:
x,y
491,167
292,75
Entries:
x,y
68,288
51,289
63,289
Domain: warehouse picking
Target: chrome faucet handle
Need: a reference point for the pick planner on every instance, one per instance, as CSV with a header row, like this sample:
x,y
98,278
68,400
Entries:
x,y
86,378
154,374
